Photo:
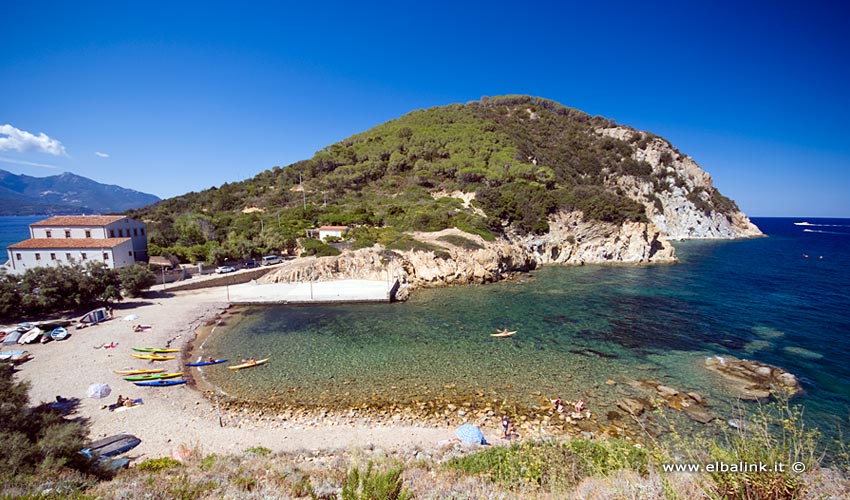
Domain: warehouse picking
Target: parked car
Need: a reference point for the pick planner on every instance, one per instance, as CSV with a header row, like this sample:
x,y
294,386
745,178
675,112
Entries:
x,y
251,264
271,259
225,269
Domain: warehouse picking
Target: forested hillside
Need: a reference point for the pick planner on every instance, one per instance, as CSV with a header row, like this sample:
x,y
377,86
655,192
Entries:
x,y
523,158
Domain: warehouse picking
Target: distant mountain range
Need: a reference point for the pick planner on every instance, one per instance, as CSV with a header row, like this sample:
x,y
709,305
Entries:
x,y
66,193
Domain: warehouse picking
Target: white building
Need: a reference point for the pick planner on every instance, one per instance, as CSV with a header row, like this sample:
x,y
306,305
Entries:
x,y
335,231
115,240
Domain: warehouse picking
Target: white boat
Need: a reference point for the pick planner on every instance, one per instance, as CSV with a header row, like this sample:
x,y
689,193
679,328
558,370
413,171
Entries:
x,y
31,336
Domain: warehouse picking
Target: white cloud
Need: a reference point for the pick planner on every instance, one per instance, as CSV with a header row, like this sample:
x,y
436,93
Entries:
x,y
13,139
26,163
101,155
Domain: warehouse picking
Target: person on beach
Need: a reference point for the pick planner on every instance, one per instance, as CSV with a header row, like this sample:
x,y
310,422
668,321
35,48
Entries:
x,y
558,405
506,423
579,406
211,359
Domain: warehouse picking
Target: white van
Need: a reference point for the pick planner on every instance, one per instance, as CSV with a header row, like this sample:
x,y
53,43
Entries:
x,y
271,259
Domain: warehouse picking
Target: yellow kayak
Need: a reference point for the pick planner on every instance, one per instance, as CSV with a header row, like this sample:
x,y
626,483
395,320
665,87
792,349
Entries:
x,y
248,364
139,372
503,334
153,357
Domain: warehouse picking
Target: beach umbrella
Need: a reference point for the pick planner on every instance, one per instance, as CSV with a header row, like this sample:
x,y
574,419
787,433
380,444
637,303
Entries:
x,y
131,317
468,433
98,391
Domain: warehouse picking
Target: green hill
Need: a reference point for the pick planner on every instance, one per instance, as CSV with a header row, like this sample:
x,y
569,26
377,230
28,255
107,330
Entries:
x,y
523,157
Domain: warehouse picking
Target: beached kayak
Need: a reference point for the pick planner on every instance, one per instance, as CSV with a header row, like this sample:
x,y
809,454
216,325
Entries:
x,y
152,357
139,372
111,446
152,376
207,363
248,364
161,383
155,349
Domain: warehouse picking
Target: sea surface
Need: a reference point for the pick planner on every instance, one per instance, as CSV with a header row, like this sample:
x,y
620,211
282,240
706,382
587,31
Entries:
x,y
783,300
15,229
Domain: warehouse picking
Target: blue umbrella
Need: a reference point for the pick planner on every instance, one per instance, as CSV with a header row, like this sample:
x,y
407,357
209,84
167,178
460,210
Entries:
x,y
469,433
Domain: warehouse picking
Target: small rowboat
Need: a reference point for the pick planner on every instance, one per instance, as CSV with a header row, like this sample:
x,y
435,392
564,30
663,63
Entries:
x,y
139,372
155,349
59,334
152,376
503,334
160,383
31,336
207,363
152,357
248,364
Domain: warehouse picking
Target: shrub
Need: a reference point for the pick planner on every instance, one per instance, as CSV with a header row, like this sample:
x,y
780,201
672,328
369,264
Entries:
x,y
373,485
777,435
159,464
557,466
460,241
135,279
310,246
258,450
35,440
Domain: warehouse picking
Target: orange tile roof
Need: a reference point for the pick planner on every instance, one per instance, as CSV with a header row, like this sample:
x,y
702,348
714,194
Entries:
x,y
50,243
333,228
79,220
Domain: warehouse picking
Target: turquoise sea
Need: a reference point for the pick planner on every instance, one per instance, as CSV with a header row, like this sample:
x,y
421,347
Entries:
x,y
783,300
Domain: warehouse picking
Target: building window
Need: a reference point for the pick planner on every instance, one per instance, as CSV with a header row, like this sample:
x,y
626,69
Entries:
x,y
143,231
105,256
37,256
52,256
131,253
88,233
83,255
68,256
111,233
67,233
18,256
47,233
120,233
135,232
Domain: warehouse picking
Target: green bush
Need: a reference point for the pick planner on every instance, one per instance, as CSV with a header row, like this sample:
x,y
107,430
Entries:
x,y
310,246
258,450
460,241
135,279
159,464
373,485
35,439
552,465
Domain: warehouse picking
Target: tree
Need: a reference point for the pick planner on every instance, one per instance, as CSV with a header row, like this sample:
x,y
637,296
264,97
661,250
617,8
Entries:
x,y
35,440
136,278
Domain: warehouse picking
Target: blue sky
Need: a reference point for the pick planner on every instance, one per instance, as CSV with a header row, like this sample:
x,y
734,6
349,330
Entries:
x,y
167,98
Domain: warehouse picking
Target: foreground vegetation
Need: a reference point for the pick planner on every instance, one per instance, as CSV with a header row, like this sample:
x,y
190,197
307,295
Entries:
x,y
523,157
38,449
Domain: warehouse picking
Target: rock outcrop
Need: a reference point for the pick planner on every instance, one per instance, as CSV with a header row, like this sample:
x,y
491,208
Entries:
x,y
572,240
752,379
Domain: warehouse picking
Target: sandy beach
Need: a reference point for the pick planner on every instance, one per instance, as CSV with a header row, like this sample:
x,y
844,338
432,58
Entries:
x,y
181,416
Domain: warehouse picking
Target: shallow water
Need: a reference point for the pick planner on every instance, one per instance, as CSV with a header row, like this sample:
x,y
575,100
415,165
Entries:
x,y
578,328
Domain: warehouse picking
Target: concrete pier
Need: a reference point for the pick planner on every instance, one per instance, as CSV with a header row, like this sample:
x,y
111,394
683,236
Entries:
x,y
313,292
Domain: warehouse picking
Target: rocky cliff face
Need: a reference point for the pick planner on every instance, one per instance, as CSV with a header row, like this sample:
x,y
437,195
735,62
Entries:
x,y
683,204
572,240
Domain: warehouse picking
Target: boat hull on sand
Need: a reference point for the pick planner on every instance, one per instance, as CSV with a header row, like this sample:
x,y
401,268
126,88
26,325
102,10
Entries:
x,y
152,376
139,372
153,357
160,383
